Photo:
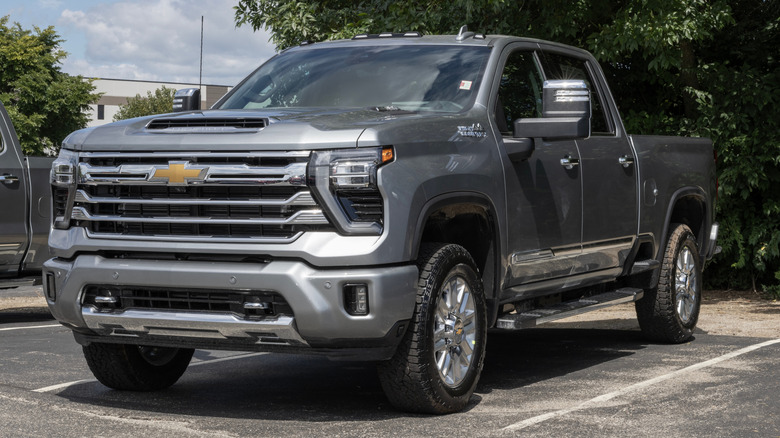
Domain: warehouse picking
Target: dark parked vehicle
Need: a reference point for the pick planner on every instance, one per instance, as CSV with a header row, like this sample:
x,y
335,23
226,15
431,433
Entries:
x,y
387,198
25,205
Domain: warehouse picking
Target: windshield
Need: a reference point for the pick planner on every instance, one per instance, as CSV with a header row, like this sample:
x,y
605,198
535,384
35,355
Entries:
x,y
409,77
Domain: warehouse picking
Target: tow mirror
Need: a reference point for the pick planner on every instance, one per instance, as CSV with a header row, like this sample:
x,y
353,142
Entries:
x,y
186,99
565,113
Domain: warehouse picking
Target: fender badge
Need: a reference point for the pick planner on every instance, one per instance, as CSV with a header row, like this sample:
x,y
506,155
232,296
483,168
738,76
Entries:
x,y
476,131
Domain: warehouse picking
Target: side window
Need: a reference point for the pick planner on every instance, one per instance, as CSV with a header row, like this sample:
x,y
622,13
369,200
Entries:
x,y
564,67
520,91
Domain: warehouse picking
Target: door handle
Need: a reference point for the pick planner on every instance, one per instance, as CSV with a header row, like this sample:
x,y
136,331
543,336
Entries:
x,y
9,179
569,162
626,161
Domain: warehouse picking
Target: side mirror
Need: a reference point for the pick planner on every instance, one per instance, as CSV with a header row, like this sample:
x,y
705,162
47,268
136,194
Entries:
x,y
186,99
565,112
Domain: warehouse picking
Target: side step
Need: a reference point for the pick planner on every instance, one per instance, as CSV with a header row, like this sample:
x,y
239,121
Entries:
x,y
532,318
644,266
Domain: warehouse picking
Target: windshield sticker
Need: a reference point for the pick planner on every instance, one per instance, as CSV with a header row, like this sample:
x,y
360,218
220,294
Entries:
x,y
465,85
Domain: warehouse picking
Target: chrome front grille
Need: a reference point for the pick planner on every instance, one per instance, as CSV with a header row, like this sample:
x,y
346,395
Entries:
x,y
260,197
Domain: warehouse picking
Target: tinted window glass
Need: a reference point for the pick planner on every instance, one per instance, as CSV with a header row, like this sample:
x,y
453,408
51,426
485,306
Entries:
x,y
414,78
520,91
564,67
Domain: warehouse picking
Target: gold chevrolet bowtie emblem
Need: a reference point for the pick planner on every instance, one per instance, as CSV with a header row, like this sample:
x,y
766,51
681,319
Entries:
x,y
178,173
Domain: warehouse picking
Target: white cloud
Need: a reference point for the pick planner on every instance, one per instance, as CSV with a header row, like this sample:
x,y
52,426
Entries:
x,y
159,40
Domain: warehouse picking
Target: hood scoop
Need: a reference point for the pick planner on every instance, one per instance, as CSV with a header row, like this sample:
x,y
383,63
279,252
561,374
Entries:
x,y
227,125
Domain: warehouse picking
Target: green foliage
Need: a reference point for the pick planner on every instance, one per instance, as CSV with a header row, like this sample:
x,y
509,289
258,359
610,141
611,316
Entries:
x,y
44,104
678,67
159,102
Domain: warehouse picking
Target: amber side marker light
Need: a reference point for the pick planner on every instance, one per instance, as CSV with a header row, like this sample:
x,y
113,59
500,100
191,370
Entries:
x,y
387,154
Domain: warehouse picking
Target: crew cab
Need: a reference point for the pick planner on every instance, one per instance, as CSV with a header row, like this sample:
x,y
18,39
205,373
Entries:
x,y
390,198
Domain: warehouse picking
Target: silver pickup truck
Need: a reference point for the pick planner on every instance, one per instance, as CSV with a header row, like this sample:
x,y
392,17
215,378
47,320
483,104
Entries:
x,y
390,198
25,205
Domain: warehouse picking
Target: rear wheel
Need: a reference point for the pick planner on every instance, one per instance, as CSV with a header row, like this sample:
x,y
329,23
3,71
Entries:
x,y
669,312
438,363
136,368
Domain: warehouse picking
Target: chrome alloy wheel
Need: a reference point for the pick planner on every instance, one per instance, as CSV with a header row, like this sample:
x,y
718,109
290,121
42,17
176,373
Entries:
x,y
454,331
686,284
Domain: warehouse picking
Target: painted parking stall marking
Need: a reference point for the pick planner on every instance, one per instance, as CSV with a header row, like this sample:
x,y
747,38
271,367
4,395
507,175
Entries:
x,y
635,387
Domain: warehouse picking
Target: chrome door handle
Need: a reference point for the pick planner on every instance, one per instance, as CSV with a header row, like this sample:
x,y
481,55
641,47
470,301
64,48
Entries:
x,y
8,179
626,161
569,162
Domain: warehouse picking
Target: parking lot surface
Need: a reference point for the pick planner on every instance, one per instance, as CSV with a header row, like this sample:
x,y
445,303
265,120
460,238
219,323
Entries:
x,y
556,381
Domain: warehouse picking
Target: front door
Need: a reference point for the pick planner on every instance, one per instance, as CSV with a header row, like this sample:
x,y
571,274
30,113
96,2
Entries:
x,y
544,205
13,210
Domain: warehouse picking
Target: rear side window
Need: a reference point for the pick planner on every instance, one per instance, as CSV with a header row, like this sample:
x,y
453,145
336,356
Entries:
x,y
564,67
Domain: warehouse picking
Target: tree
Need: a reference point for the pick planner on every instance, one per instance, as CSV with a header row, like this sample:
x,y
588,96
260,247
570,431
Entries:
x,y
45,104
683,67
159,102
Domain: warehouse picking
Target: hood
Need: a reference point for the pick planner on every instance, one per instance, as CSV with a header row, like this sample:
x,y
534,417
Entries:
x,y
231,130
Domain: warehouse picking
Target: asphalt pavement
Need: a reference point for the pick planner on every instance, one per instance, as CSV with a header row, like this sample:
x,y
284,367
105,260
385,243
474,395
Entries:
x,y
554,382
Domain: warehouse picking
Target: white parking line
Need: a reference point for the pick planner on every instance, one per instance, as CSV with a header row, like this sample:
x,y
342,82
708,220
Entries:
x,y
223,359
63,385
631,388
29,327
203,362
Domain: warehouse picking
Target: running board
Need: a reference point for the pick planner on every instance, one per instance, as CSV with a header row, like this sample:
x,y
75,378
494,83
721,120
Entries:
x,y
532,318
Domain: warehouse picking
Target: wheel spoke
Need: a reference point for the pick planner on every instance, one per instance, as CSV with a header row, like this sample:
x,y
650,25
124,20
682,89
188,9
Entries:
x,y
454,330
442,309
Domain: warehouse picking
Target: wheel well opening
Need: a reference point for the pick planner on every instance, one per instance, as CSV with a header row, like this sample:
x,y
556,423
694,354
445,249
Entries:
x,y
689,211
467,225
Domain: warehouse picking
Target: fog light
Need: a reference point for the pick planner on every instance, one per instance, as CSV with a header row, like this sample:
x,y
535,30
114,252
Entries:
x,y
356,299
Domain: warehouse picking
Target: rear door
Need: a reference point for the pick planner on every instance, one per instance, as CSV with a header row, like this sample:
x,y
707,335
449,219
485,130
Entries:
x,y
13,199
609,173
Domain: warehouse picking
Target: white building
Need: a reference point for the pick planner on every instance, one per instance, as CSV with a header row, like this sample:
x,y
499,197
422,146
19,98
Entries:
x,y
117,91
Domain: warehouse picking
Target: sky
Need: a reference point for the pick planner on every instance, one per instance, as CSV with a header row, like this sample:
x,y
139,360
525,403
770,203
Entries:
x,y
149,40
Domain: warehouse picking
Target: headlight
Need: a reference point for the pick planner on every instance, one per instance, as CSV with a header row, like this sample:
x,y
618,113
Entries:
x,y
345,183
63,180
63,170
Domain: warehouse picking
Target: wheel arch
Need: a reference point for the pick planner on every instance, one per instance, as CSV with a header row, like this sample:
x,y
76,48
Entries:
x,y
688,206
469,220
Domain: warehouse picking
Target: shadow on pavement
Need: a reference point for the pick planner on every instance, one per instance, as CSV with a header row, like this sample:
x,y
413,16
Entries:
x,y
309,388
25,314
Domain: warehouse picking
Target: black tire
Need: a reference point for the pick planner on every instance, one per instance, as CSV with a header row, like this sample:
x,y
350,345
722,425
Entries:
x,y
136,368
670,311
412,379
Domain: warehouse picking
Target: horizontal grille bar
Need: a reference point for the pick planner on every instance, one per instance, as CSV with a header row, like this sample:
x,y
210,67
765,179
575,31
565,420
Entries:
x,y
299,198
292,174
311,217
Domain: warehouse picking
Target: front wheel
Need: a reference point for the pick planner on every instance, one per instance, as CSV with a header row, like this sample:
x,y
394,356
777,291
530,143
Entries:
x,y
136,367
438,363
670,311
